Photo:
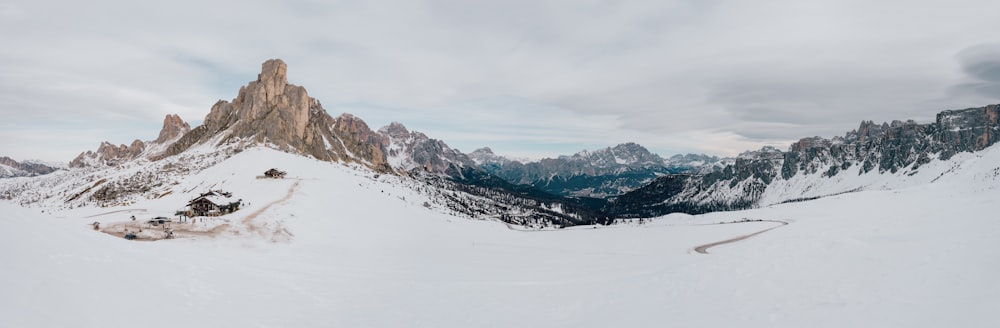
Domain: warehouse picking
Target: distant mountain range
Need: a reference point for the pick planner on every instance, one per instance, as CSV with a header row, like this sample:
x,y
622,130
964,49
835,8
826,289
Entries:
x,y
596,186
867,157
9,168
600,173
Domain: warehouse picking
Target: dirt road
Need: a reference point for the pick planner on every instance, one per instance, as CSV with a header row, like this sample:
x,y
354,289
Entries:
x,y
703,249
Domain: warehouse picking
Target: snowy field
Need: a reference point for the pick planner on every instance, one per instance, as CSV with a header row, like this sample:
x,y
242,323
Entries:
x,y
335,247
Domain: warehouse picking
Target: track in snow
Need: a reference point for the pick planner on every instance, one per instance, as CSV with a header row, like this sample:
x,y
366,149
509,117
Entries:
x,y
274,233
118,211
291,190
703,249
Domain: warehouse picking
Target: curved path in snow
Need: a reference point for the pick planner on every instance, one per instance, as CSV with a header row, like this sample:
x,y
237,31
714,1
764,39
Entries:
x,y
291,190
703,249
276,233
118,211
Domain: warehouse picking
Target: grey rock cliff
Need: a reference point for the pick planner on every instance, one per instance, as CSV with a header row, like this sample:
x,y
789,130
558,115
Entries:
x,y
412,150
272,112
173,127
108,154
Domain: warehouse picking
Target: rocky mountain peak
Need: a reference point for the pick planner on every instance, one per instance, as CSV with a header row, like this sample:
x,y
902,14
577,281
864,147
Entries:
x,y
869,130
272,112
268,108
413,150
633,153
173,127
809,143
109,154
626,154
485,156
630,147
274,76
395,130
766,152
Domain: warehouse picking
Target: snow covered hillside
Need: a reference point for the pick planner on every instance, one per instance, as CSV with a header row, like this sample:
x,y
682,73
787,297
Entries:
x,y
334,245
870,157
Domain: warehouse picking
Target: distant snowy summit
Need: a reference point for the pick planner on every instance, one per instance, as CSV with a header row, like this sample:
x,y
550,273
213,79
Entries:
x,y
9,168
603,172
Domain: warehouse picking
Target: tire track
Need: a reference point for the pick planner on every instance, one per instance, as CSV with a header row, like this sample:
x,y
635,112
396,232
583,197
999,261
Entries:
x,y
703,249
118,211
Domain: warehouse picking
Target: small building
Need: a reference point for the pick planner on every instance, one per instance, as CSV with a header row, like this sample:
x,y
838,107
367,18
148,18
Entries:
x,y
212,203
159,220
275,174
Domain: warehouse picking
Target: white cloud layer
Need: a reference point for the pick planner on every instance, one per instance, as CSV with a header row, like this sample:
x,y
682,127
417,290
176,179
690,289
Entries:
x,y
528,78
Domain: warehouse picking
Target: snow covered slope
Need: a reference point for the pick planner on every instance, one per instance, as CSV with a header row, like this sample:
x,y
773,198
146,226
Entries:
x,y
870,157
334,246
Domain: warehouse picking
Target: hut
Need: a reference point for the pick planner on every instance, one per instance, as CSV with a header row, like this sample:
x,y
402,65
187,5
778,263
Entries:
x,y
213,203
275,174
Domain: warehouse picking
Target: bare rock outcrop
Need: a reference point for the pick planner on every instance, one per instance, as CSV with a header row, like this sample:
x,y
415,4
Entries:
x,y
173,127
109,154
272,112
412,150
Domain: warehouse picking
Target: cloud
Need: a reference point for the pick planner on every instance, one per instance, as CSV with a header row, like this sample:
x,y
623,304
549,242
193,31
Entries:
x,y
542,77
981,66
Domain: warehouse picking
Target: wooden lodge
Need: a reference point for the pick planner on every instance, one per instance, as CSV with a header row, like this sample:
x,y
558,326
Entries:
x,y
275,174
212,203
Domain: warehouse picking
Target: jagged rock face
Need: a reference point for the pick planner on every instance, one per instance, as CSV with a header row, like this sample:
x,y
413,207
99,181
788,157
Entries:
x,y
886,148
273,112
268,109
408,151
173,127
9,168
361,141
968,130
109,154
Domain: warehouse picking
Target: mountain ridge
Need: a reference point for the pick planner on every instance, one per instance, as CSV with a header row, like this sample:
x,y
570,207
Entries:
x,y
10,168
602,172
107,154
816,167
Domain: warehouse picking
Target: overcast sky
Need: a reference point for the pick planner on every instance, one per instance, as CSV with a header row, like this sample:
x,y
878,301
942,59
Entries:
x,y
527,78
